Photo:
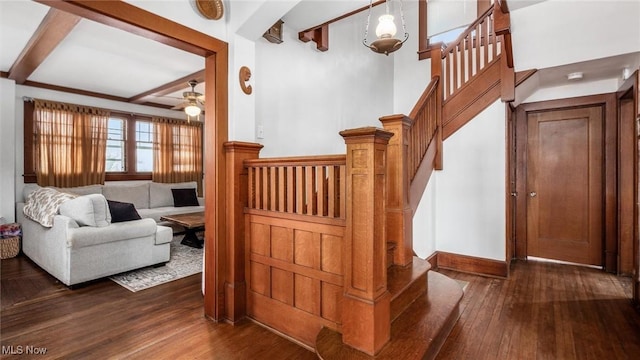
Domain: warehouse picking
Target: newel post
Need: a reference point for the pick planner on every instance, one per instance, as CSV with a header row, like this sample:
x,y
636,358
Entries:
x,y
237,199
398,210
366,323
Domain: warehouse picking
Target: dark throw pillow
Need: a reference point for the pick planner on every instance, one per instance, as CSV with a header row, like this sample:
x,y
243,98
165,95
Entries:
x,y
122,211
184,197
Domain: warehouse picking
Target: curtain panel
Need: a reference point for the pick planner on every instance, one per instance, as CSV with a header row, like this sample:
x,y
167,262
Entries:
x,y
177,151
70,144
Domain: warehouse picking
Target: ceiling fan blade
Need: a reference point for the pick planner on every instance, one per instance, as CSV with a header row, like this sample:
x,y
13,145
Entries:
x,y
180,106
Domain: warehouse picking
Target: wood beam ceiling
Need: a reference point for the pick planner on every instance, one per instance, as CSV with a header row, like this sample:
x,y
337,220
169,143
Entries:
x,y
55,26
63,17
167,88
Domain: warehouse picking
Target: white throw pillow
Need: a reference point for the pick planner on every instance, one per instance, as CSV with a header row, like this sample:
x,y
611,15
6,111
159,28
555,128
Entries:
x,y
88,210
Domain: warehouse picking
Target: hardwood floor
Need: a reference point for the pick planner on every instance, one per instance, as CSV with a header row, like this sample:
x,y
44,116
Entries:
x,y
543,311
103,320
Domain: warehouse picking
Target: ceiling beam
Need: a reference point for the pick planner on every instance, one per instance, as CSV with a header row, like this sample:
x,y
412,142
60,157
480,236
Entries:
x,y
135,20
320,33
167,88
55,26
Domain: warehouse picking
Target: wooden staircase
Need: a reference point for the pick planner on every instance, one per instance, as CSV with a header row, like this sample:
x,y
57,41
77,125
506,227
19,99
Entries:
x,y
320,248
467,76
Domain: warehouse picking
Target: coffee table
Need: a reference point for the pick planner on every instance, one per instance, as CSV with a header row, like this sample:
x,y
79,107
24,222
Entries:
x,y
192,222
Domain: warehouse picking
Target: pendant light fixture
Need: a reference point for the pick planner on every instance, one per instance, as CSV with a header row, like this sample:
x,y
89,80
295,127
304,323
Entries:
x,y
385,31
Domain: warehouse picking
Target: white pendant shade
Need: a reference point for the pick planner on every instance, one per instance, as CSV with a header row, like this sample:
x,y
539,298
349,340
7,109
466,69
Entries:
x,y
192,110
386,27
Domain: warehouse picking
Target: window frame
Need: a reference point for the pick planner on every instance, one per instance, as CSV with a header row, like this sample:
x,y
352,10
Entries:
x,y
29,173
130,172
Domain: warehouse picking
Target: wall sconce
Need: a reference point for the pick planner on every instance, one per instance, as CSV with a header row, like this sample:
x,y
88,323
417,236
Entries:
x,y
385,31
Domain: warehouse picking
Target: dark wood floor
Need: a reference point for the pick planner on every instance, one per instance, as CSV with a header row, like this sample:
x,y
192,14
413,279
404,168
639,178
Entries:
x,y
543,311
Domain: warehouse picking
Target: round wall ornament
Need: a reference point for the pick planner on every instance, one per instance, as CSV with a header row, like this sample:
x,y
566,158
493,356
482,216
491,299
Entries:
x,y
211,9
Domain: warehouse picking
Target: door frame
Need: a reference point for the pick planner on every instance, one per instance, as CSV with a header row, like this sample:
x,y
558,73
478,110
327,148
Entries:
x,y
215,52
610,150
630,90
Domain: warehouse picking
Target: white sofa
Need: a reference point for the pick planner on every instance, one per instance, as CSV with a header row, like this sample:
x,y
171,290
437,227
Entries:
x,y
74,253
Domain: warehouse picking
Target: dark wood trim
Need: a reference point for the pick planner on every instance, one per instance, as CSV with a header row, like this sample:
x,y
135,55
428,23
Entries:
x,y
132,19
167,88
433,260
473,265
216,134
55,26
522,76
510,182
343,16
320,33
29,173
424,51
129,18
608,102
628,180
4,74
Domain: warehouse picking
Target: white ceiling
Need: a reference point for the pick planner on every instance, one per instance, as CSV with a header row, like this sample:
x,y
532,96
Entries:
x,y
102,59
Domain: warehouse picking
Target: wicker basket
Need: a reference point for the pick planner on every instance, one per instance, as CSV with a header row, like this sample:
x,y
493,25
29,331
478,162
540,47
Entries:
x,y
9,247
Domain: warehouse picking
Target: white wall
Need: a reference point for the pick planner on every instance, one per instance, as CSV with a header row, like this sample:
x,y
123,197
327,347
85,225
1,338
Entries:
x,y
470,198
304,97
7,149
242,114
410,76
590,30
444,15
424,221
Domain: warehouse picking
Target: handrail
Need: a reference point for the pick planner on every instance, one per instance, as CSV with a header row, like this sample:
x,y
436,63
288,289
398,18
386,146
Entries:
x,y
470,28
472,52
425,116
310,185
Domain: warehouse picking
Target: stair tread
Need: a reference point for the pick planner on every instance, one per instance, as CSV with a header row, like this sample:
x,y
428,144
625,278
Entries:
x,y
419,332
400,277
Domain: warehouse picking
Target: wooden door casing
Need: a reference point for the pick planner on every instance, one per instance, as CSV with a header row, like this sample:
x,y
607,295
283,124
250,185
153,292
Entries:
x,y
565,185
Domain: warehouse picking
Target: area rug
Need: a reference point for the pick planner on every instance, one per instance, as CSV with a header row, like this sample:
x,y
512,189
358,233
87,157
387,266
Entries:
x,y
184,261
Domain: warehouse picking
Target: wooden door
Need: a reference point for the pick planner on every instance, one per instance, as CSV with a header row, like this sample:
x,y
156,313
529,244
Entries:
x,y
564,185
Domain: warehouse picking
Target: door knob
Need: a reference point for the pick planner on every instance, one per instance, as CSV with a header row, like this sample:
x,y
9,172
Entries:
x,y
533,194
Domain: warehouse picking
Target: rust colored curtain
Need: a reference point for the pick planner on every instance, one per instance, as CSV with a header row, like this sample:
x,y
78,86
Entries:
x,y
70,143
177,151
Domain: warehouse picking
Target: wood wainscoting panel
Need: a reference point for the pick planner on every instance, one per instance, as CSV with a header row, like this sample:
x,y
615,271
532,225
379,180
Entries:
x,y
295,275
472,264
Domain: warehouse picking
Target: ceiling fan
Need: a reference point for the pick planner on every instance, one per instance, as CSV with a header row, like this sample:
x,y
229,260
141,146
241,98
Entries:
x,y
193,101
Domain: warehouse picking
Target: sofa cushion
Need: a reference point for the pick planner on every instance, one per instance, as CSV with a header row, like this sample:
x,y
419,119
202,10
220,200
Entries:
x,y
122,211
43,203
164,235
89,236
137,194
184,197
160,193
87,210
82,190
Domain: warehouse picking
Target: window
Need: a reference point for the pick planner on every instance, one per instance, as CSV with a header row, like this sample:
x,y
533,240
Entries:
x,y
144,146
130,147
132,135
116,141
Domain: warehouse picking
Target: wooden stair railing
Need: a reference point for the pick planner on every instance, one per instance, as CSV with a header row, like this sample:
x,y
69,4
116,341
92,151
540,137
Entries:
x,y
416,141
467,76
